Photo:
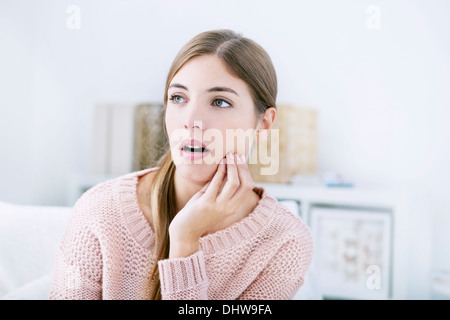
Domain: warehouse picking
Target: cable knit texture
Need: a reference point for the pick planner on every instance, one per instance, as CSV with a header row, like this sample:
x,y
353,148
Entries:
x,y
106,252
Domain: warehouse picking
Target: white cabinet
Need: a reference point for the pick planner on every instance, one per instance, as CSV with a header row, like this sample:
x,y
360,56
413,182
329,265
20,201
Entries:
x,y
362,241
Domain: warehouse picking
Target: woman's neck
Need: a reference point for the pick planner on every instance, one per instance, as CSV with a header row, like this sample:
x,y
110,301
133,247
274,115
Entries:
x,y
184,190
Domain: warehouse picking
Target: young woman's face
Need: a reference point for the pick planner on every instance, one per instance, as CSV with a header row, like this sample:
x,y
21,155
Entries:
x,y
212,106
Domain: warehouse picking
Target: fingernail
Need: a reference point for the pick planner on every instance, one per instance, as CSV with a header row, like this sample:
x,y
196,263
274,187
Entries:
x,y
230,157
243,158
239,159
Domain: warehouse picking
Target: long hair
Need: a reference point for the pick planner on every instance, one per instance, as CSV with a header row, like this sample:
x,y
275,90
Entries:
x,y
243,58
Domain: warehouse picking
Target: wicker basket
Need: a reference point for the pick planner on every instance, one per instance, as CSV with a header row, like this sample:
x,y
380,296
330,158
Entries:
x,y
149,136
292,146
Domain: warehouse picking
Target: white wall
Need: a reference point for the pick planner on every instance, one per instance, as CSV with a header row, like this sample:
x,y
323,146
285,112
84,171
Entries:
x,y
383,95
16,64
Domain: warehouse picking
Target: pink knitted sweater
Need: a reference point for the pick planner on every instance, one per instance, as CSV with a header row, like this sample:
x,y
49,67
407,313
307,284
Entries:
x,y
106,252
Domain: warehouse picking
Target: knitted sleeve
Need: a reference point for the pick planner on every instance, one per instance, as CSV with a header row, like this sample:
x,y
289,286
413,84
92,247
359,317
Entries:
x,y
184,278
285,273
78,263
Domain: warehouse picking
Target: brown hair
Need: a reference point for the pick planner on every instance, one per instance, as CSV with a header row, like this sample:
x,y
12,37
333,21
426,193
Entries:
x,y
245,59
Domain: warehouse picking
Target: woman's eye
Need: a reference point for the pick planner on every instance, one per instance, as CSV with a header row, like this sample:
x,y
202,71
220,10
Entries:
x,y
221,103
177,99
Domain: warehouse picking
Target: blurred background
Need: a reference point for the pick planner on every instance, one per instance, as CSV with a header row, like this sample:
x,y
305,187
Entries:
x,y
376,73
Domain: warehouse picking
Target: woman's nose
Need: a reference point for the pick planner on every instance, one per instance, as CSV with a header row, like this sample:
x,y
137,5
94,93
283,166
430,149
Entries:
x,y
193,124
194,117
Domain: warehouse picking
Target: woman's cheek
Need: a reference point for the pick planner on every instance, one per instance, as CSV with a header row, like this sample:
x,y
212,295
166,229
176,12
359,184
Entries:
x,y
238,141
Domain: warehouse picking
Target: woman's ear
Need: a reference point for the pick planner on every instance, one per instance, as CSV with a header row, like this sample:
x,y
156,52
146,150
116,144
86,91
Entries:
x,y
264,124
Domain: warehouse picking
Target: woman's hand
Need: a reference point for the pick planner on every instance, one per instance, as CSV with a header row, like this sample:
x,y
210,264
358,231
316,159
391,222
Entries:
x,y
213,208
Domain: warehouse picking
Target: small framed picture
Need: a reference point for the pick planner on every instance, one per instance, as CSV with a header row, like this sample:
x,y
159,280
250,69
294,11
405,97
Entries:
x,y
352,252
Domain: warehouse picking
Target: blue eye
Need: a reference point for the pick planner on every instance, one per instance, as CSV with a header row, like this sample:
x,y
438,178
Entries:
x,y
177,99
221,103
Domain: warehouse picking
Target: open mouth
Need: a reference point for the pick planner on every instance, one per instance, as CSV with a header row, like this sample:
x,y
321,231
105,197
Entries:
x,y
198,149
193,146
194,150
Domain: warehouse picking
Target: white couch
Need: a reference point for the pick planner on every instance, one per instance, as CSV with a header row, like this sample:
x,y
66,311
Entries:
x,y
29,238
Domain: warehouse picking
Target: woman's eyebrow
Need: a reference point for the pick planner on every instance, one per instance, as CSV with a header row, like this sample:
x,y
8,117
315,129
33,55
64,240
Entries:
x,y
177,85
222,89
214,89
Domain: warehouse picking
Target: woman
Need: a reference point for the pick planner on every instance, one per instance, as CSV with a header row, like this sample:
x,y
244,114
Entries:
x,y
195,226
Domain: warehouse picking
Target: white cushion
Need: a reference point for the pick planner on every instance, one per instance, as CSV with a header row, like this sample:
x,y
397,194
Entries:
x,y
309,290
29,238
38,289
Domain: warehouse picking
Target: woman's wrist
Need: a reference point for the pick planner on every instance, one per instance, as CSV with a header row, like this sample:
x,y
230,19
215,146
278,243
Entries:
x,y
182,248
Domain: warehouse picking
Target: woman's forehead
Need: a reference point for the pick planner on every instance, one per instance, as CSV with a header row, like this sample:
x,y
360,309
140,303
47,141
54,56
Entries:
x,y
208,71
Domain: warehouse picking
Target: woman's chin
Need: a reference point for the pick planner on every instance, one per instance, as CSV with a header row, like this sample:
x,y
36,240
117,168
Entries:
x,y
196,161
197,171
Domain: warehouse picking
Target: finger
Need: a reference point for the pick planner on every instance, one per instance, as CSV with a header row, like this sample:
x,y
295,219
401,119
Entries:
x,y
244,174
217,180
245,178
232,183
205,187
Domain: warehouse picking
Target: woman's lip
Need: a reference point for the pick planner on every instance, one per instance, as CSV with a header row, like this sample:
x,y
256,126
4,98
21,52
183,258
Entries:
x,y
193,155
192,142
